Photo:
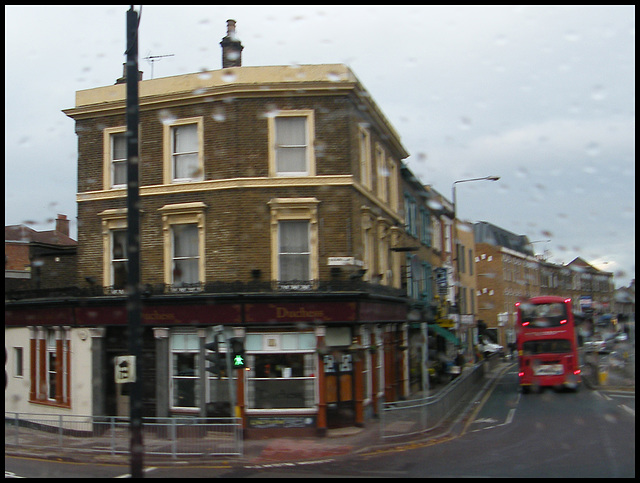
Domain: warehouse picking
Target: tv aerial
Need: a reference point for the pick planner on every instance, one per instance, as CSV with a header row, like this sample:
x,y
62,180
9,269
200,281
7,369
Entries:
x,y
154,58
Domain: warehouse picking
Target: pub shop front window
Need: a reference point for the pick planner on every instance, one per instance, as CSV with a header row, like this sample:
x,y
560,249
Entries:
x,y
283,369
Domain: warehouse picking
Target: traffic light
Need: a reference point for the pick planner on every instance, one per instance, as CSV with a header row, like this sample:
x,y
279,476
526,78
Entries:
x,y
237,353
218,361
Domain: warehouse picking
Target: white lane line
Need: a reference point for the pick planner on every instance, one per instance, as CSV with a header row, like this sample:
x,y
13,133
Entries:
x,y
145,470
628,409
512,412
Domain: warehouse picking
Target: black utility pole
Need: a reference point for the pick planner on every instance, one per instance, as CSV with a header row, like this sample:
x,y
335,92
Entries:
x,y
134,306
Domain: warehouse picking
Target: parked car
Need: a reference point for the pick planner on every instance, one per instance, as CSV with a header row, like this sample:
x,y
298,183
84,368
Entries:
x,y
596,344
622,337
489,348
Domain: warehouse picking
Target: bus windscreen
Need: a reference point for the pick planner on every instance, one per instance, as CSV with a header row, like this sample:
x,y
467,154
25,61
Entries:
x,y
543,315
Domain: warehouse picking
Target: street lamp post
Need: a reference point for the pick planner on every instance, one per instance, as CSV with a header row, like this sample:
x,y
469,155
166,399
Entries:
x,y
456,295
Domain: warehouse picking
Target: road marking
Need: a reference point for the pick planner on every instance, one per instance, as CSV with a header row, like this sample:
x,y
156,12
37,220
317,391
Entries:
x,y
628,409
509,419
144,470
11,474
283,465
485,420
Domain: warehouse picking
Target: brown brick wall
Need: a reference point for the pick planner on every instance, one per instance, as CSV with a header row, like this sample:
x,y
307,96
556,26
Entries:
x,y
237,221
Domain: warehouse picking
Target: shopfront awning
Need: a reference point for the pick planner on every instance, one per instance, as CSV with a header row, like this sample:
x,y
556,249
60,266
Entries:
x,y
444,333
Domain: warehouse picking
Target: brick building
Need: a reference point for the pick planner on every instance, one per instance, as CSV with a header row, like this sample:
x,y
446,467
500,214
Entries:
x,y
507,272
39,259
270,205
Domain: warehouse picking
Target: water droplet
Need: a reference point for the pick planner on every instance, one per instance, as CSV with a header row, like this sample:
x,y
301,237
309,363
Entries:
x,y
592,149
572,36
598,93
434,205
166,117
219,115
465,123
233,56
501,40
272,111
229,76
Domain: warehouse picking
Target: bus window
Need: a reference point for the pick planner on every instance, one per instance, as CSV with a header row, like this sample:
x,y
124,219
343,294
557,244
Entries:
x,y
548,346
543,315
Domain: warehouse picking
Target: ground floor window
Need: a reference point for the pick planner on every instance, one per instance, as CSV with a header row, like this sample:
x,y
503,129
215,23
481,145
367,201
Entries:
x,y
282,381
50,374
185,380
185,391
283,371
185,388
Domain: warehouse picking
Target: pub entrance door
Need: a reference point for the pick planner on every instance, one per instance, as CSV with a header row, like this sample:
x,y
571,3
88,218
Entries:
x,y
339,380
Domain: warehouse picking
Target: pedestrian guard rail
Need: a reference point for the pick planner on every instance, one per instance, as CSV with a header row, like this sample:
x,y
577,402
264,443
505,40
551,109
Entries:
x,y
415,416
176,436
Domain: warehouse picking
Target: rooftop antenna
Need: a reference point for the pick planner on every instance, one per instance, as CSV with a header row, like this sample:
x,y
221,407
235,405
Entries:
x,y
154,58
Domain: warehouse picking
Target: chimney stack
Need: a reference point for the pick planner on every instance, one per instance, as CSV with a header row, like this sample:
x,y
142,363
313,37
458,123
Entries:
x,y
62,225
231,47
123,79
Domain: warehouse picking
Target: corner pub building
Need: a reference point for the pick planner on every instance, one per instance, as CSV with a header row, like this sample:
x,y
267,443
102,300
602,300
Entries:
x,y
271,206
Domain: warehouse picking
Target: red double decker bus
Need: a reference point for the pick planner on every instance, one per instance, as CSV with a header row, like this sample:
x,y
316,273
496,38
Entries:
x,y
546,342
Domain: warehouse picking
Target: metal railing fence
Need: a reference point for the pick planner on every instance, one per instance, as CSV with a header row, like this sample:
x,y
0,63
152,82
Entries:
x,y
410,417
177,436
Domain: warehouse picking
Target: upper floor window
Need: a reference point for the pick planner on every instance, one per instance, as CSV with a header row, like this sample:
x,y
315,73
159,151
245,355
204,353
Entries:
x,y
410,218
436,229
364,142
293,250
294,239
291,141
114,248
393,184
382,174
425,227
115,157
118,159
185,254
119,259
183,150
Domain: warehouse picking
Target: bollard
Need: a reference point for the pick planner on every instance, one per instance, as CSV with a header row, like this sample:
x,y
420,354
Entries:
x,y
603,375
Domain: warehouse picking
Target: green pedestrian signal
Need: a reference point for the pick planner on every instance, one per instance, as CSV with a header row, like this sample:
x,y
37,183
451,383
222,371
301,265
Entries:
x,y
237,351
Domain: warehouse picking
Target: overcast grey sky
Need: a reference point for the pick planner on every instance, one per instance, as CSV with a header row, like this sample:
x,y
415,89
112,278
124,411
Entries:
x,y
543,97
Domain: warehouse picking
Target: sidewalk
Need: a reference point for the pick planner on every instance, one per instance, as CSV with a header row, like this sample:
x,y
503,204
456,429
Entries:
x,y
344,441
617,371
337,442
